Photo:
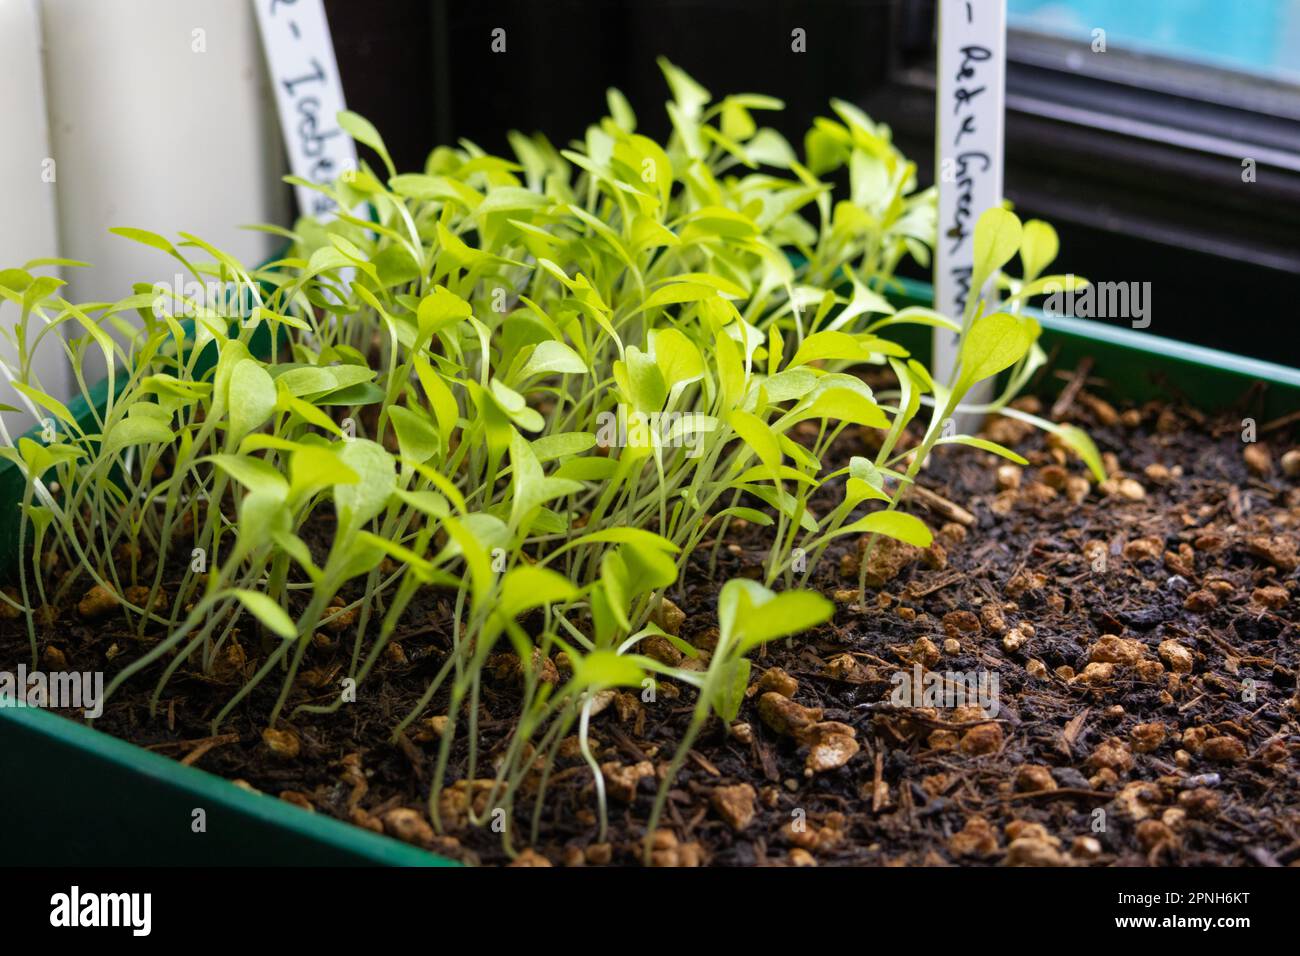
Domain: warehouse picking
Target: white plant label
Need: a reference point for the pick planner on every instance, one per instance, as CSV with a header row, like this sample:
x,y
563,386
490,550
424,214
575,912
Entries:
x,y
308,96
970,106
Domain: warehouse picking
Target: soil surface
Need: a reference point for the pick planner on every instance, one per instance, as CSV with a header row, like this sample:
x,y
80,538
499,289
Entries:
x,y
1137,648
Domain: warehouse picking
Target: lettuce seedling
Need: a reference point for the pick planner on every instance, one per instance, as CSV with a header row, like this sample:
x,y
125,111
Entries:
x,y
749,616
541,384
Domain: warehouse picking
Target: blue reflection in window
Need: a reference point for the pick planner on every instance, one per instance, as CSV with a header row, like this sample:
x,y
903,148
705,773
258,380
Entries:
x,y
1252,36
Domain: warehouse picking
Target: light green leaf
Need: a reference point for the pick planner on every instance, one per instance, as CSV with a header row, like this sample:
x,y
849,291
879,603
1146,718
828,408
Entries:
x,y
729,689
689,96
649,567
856,491
984,444
561,444
313,467
552,357
642,381
145,237
759,437
1038,248
136,431
620,110
416,436
792,383
621,535
441,399
750,614
270,614
790,612
527,586
439,310
675,294
846,405
427,502
678,359
603,668
829,345
994,342
304,380
48,402
893,524
588,469
251,399
359,501
262,516
255,474
309,413
997,237
1076,438
516,408
363,131
474,537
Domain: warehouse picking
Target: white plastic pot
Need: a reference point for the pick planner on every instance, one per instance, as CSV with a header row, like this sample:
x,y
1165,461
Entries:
x,y
160,117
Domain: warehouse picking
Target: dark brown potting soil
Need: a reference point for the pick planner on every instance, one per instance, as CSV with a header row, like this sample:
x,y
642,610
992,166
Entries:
x,y
1144,643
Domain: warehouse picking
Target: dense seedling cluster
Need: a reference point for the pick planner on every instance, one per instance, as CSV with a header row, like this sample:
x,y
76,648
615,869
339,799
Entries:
x,y
540,384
